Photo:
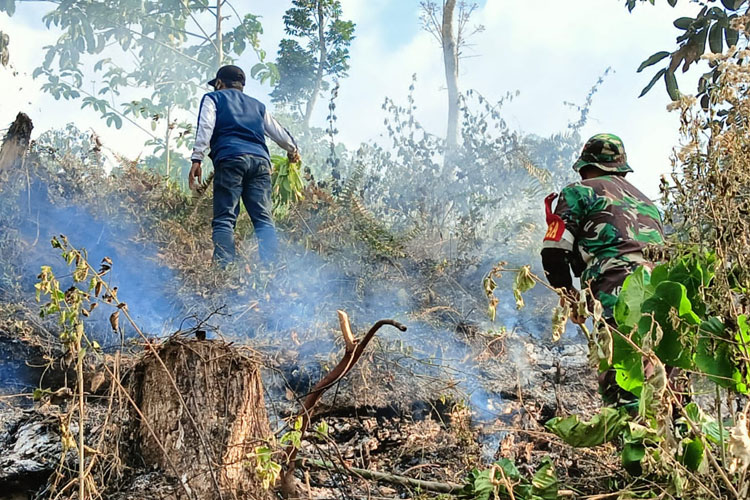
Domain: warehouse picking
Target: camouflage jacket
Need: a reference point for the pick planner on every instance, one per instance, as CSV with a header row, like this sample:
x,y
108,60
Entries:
x,y
604,223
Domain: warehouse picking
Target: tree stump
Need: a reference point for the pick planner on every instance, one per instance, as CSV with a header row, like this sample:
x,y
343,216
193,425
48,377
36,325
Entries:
x,y
15,143
205,432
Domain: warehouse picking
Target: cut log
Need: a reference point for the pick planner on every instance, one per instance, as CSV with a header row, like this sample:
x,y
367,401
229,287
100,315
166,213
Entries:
x,y
203,414
15,143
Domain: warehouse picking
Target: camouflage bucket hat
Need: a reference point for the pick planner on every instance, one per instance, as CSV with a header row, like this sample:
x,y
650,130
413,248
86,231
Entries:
x,y
604,151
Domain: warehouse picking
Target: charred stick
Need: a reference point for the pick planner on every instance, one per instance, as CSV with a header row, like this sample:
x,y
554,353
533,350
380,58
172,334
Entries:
x,y
433,486
352,352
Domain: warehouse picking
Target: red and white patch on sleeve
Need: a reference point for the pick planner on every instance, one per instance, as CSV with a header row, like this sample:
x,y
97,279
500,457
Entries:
x,y
555,224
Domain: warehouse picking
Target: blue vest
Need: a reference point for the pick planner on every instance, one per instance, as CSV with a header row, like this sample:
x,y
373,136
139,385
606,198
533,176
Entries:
x,y
239,126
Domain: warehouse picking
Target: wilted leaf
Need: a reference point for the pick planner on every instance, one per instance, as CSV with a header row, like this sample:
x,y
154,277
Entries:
x,y
114,320
739,445
523,283
560,321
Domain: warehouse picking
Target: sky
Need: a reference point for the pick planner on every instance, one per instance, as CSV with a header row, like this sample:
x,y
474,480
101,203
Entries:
x,y
551,51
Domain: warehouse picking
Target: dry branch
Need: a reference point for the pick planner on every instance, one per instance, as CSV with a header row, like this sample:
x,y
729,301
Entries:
x,y
352,352
433,486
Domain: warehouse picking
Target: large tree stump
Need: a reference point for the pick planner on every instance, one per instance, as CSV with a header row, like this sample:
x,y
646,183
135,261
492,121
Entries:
x,y
15,143
205,432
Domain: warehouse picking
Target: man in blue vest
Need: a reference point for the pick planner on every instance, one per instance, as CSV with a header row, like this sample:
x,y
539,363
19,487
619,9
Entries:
x,y
234,125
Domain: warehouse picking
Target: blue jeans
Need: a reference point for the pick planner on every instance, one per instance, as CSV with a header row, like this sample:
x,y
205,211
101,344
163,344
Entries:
x,y
249,178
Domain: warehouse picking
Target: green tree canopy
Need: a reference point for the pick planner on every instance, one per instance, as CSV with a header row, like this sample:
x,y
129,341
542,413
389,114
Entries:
x,y
317,50
170,48
710,30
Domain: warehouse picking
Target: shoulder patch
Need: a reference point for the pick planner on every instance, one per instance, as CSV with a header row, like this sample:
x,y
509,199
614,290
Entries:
x,y
555,224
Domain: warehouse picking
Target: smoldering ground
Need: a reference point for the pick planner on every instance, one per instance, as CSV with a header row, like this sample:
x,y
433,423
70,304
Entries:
x,y
288,311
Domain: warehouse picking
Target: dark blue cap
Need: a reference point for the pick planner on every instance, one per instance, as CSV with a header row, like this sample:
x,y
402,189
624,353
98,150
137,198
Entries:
x,y
229,73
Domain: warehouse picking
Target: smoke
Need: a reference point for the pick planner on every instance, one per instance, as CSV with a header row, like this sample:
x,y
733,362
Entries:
x,y
142,280
289,311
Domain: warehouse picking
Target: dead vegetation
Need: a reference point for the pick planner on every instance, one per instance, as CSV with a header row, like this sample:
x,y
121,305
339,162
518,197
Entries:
x,y
417,412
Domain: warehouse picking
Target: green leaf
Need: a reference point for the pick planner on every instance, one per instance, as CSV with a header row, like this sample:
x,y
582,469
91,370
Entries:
x,y
632,454
671,82
683,23
479,485
714,355
715,41
628,370
653,60
635,290
732,37
602,428
673,313
732,4
653,81
39,393
693,453
544,484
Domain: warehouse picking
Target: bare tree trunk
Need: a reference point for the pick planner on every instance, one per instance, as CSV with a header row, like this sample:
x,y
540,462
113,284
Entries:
x,y
219,36
450,58
321,65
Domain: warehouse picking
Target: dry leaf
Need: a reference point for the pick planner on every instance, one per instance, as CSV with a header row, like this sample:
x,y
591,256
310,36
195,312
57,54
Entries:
x,y
114,320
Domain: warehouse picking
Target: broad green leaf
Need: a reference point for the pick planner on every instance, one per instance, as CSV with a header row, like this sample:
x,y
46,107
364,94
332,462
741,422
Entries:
x,y
635,290
732,37
632,454
708,424
544,484
629,372
683,23
714,354
693,453
602,428
673,312
689,272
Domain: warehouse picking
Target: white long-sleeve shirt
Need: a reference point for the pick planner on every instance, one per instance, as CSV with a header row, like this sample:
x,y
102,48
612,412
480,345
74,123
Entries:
x,y
207,120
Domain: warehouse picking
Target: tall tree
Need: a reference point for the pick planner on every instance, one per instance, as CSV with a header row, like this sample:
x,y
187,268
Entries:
x,y
452,33
143,62
305,70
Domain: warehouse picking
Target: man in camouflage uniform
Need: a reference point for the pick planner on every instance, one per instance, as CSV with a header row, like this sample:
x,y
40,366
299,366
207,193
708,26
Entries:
x,y
599,229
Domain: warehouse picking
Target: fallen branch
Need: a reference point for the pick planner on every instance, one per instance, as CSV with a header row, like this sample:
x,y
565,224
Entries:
x,y
352,352
433,486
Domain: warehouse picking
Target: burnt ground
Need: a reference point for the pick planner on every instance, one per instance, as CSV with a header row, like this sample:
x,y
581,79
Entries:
x,y
383,417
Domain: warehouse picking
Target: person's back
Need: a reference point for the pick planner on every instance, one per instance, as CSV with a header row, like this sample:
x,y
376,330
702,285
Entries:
x,y
599,230
235,125
239,126
610,223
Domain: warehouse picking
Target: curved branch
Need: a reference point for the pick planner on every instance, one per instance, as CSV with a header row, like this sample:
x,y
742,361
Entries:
x,y
353,351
